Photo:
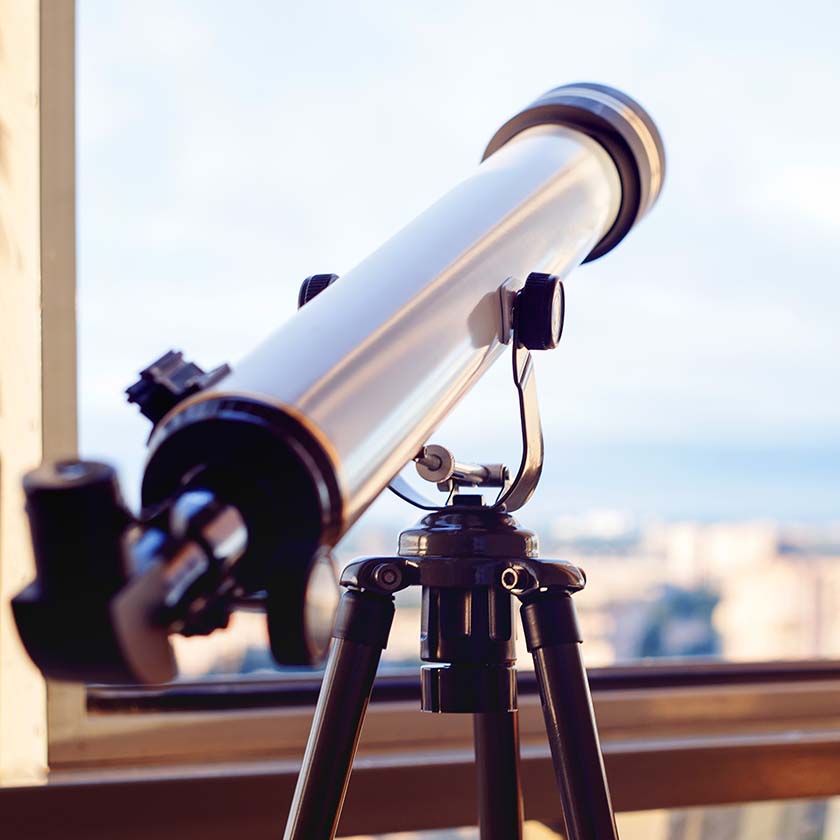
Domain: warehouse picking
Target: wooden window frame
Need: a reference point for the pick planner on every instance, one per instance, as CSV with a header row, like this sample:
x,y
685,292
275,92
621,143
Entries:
x,y
672,737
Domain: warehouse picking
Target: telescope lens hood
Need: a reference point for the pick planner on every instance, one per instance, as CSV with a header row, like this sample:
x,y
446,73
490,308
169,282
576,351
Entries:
x,y
621,126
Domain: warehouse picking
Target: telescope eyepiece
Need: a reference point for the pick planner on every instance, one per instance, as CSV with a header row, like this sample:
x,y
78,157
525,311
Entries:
x,y
621,126
77,518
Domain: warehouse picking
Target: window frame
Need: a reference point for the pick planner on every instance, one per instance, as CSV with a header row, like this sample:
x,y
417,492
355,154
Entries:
x,y
672,736
634,705
38,326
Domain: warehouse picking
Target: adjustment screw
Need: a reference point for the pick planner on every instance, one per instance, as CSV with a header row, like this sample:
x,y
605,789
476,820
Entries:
x,y
510,577
539,312
387,576
313,286
516,579
435,463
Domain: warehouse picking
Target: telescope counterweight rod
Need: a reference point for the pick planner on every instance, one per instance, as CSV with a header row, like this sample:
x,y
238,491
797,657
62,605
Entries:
x,y
342,703
497,774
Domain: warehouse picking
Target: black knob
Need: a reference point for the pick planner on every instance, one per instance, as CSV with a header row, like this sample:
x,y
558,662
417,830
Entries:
x,y
77,518
540,309
314,285
78,523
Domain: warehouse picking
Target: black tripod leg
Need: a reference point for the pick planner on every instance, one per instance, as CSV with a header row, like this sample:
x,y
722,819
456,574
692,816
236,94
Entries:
x,y
553,639
361,633
497,766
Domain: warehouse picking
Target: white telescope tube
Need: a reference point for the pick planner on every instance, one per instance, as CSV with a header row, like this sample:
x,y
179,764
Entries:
x,y
360,377
379,358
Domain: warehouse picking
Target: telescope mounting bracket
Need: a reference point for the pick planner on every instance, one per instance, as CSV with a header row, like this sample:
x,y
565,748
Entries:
x,y
436,463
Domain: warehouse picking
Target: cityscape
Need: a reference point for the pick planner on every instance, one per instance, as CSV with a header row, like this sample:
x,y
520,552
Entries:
x,y
739,590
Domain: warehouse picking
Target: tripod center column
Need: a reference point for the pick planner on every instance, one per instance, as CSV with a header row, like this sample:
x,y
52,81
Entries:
x,y
468,625
470,633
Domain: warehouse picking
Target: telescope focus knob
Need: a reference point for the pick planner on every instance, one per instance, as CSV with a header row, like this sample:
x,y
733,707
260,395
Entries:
x,y
313,286
540,310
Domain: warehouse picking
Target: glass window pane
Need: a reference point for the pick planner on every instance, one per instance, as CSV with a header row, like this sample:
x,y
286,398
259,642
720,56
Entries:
x,y
690,418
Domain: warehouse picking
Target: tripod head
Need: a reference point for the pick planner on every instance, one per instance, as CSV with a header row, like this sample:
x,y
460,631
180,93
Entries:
x,y
255,472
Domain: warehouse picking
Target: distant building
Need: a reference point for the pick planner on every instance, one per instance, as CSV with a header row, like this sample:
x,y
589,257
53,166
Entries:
x,y
742,591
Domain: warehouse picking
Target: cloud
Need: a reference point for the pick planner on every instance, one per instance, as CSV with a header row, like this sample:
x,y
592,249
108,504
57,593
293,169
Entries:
x,y
804,195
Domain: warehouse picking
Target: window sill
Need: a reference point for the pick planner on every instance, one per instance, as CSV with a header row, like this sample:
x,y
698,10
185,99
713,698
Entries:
x,y
667,743
642,704
415,791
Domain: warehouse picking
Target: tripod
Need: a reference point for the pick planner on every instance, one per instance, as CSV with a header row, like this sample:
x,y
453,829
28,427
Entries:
x,y
470,561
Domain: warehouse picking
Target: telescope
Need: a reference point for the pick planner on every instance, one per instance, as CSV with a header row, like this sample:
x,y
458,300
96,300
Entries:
x,y
255,471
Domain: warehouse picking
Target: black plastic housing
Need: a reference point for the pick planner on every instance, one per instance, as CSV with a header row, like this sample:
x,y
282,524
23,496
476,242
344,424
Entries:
x,y
78,521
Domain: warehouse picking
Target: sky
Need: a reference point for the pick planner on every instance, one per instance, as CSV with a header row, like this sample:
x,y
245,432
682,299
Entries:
x,y
225,153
